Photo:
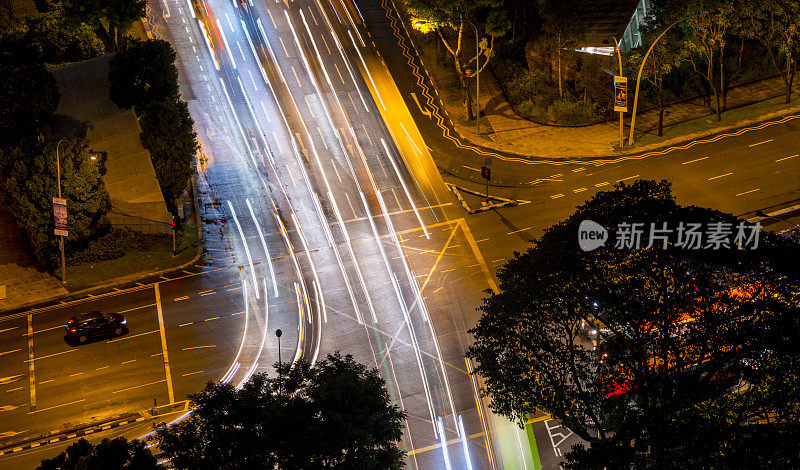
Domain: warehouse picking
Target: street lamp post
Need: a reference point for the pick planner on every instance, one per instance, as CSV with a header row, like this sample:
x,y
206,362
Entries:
x,y
61,237
278,333
619,58
641,68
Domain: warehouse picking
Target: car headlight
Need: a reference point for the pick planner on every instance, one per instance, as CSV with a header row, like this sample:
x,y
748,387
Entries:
x,y
124,322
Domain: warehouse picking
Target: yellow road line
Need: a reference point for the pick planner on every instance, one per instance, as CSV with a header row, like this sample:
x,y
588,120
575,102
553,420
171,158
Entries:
x,y
759,143
748,192
163,344
31,370
719,176
56,406
145,385
786,158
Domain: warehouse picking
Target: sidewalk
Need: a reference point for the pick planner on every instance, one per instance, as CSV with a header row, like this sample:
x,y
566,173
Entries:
x,y
503,130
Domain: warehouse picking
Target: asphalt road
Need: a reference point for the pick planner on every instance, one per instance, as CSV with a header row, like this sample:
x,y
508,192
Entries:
x,y
324,215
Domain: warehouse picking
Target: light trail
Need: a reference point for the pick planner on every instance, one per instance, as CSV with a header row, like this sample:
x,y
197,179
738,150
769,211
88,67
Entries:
x,y
443,441
405,189
464,444
227,46
264,246
369,75
310,259
301,329
204,33
246,249
263,337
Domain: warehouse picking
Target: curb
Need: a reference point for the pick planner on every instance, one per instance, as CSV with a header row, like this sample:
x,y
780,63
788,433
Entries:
x,y
118,281
71,433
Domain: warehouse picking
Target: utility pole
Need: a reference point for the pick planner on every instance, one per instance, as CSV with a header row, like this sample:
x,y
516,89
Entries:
x,y
278,333
61,237
619,58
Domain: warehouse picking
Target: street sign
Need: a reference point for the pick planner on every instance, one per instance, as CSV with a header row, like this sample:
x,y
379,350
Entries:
x,y
620,94
60,217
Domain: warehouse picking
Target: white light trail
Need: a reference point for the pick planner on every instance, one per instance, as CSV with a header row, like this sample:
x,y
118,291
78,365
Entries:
x,y
443,440
246,249
263,336
405,188
264,246
301,328
464,443
227,46
204,33
369,75
191,8
310,260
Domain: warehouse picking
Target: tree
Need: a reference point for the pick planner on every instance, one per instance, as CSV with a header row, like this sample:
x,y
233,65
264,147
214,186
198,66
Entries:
x,y
442,16
107,455
62,41
143,72
334,415
776,25
28,98
681,327
167,132
110,19
704,44
560,32
32,184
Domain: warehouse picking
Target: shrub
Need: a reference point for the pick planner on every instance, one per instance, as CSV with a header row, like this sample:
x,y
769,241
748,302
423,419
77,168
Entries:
x,y
114,244
567,112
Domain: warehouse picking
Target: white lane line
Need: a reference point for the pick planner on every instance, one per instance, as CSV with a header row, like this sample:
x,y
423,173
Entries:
x,y
252,80
199,347
776,161
759,143
57,406
693,161
162,333
9,352
748,192
719,176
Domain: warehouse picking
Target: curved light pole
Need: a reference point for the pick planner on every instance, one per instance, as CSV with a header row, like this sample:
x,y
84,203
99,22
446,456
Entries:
x,y
641,68
61,239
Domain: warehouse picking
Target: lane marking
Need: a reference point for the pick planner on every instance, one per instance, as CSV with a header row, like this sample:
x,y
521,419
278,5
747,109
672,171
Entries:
x,y
192,373
57,406
625,179
199,347
212,318
143,385
9,352
693,161
516,231
579,190
162,333
128,362
131,336
556,196
748,192
75,374
719,176
600,185
759,143
776,161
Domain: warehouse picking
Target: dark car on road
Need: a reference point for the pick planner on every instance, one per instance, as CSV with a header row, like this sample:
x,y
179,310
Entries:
x,y
83,327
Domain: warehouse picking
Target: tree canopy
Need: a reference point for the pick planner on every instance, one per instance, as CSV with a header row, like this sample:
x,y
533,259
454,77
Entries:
x,y
28,98
694,350
107,455
110,19
32,184
168,133
334,415
142,73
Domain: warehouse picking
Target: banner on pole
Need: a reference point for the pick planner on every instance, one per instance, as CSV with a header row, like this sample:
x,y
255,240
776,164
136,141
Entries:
x,y
620,94
60,216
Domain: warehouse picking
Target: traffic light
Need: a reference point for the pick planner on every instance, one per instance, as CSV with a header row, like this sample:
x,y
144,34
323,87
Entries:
x,y
486,173
172,222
